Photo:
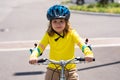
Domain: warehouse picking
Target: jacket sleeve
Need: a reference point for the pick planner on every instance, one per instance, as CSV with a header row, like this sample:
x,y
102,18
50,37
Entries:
x,y
85,49
40,48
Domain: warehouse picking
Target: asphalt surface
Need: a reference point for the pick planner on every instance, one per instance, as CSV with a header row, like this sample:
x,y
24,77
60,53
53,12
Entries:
x,y
14,65
23,22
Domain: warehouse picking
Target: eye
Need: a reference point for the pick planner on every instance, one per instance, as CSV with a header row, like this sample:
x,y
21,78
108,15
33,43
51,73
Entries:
x,y
54,21
62,21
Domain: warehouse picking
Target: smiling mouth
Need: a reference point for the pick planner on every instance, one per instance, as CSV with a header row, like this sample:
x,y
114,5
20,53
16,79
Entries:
x,y
58,27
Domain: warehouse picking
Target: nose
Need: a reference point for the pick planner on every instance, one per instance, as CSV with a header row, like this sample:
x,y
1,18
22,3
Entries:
x,y
58,23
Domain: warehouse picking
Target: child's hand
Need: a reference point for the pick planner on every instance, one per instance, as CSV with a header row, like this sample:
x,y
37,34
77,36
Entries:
x,y
33,60
88,59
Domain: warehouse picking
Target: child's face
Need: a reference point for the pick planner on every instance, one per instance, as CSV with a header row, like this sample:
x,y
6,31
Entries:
x,y
58,25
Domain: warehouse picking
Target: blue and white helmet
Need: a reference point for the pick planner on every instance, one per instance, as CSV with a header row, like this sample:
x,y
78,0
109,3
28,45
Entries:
x,y
57,12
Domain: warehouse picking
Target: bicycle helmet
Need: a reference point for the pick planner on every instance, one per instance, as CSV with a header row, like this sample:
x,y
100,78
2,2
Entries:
x,y
57,12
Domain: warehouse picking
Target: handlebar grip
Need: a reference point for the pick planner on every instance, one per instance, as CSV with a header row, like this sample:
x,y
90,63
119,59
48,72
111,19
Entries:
x,y
42,60
83,59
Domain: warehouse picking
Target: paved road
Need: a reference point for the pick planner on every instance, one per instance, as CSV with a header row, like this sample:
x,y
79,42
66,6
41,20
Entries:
x,y
22,21
14,65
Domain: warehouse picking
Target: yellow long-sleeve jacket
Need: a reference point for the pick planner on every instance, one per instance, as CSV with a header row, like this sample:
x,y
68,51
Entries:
x,y
63,49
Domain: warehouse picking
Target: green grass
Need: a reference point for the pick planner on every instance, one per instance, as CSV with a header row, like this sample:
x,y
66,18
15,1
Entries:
x,y
109,8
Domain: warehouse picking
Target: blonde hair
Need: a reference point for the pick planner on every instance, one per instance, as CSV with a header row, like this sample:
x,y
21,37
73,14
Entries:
x,y
51,32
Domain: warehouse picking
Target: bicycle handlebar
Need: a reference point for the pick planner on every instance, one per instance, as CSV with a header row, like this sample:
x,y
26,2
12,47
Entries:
x,y
74,61
83,59
42,60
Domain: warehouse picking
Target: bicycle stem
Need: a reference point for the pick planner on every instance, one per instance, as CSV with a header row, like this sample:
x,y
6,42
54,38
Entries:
x,y
62,76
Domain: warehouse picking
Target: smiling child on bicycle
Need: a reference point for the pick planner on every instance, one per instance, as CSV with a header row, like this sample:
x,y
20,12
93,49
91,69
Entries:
x,y
62,39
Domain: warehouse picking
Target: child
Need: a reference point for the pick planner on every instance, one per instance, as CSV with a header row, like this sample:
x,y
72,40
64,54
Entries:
x,y
62,39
